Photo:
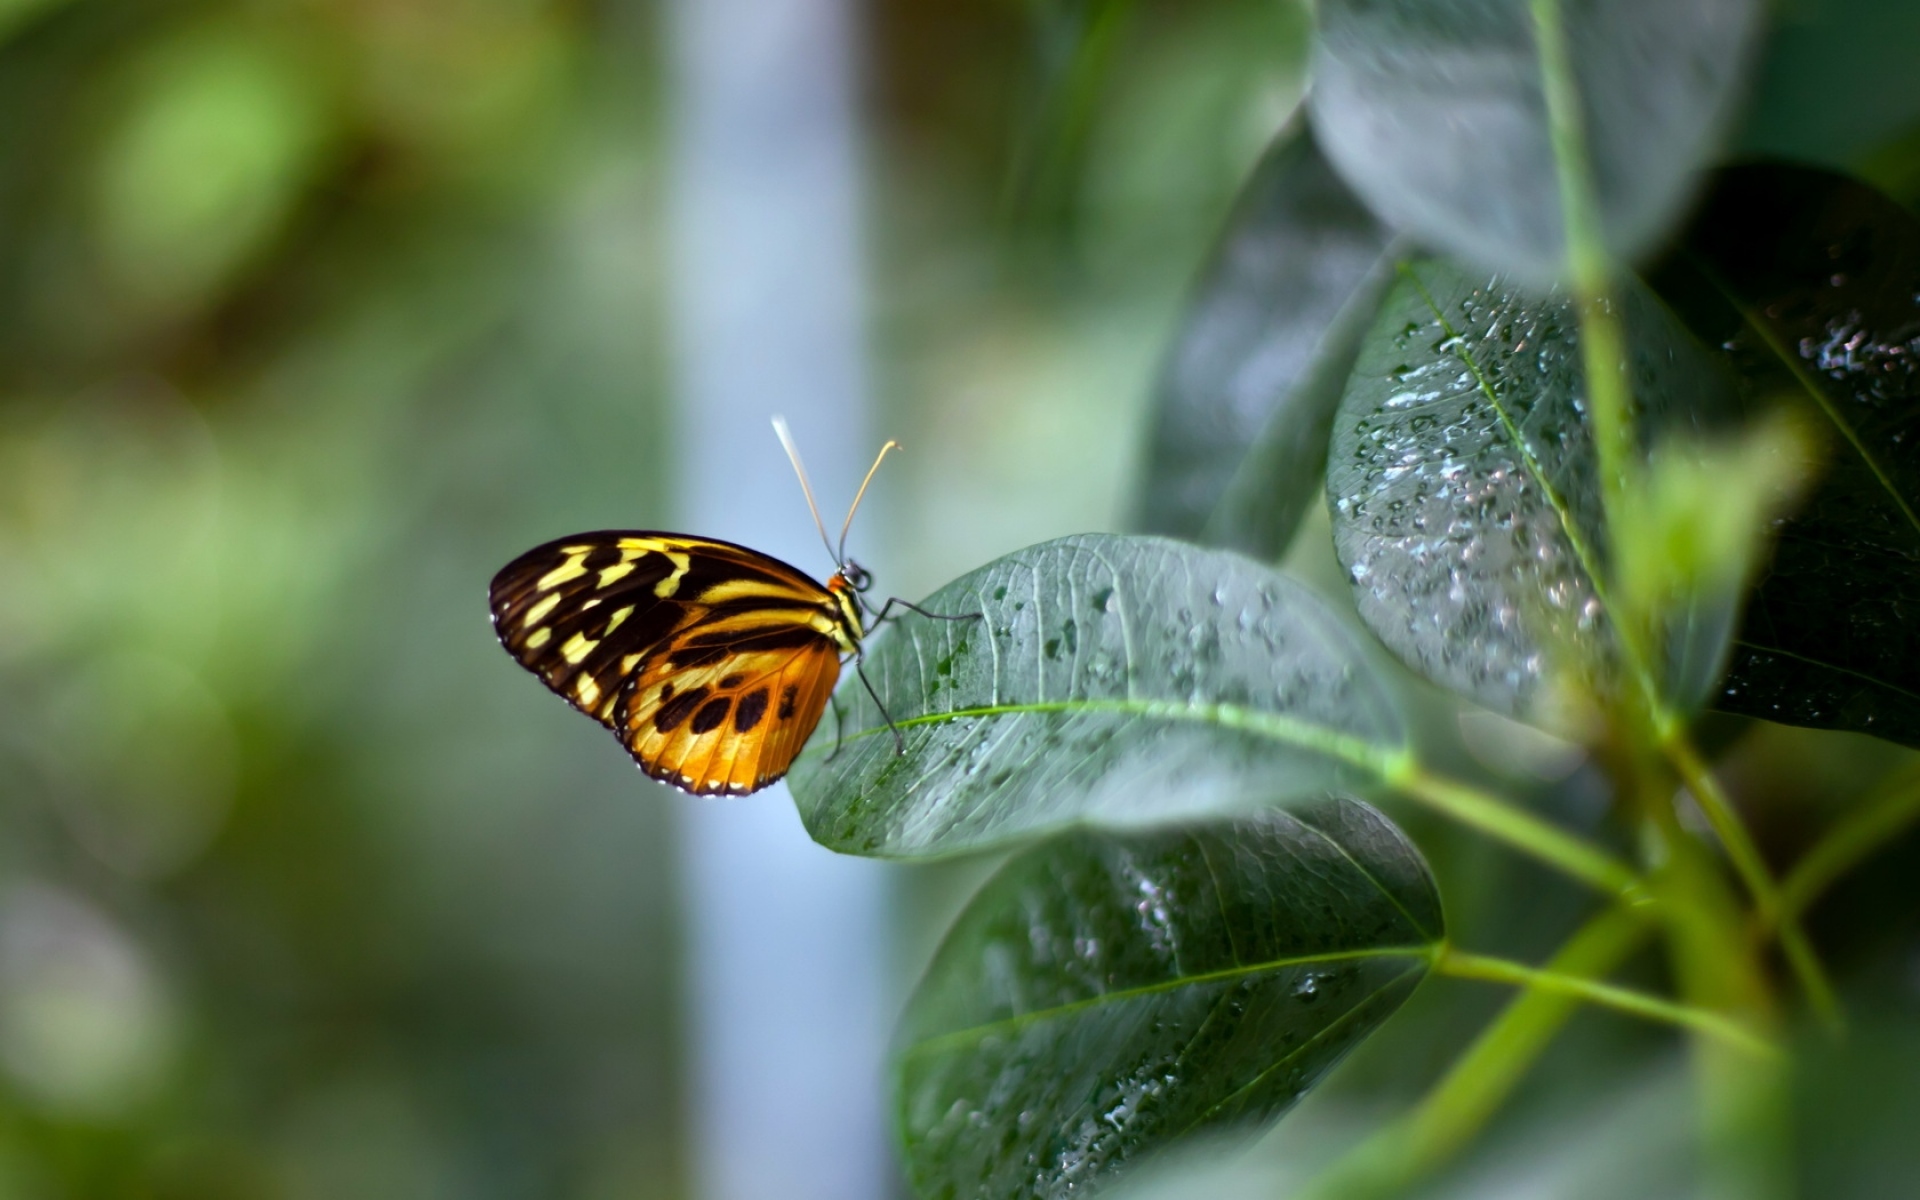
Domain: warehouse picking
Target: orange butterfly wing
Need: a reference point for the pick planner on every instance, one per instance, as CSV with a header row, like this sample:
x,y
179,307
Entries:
x,y
711,662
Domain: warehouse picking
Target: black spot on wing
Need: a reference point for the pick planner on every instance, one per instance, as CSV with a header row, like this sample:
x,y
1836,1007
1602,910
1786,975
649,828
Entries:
x,y
711,716
730,682
753,706
788,696
678,709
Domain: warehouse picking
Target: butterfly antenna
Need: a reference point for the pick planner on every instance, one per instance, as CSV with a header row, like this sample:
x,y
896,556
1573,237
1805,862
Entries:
x,y
793,453
841,555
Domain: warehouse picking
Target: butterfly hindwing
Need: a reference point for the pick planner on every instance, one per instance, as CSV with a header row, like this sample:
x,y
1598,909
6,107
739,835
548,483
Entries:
x,y
732,725
710,661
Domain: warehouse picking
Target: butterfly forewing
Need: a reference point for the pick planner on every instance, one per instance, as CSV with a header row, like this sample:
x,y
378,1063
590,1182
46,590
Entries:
x,y
711,662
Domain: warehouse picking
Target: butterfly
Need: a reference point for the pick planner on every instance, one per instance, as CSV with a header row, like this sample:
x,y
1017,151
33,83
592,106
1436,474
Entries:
x,y
712,663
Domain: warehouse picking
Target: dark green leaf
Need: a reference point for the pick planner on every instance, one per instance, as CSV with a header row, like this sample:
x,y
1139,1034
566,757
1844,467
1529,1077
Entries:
x,y
1466,502
1106,995
1836,80
1433,110
1117,680
1811,284
1243,403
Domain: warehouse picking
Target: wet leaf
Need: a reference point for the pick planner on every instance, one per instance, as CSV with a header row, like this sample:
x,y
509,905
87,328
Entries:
x,y
1243,403
1433,111
1106,995
1111,680
1810,283
1466,499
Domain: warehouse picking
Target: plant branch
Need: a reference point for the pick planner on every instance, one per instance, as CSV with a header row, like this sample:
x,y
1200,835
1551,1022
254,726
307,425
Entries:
x,y
1752,869
1483,1077
1461,965
1517,828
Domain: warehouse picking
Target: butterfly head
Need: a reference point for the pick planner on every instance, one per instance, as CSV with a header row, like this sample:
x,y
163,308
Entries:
x,y
855,575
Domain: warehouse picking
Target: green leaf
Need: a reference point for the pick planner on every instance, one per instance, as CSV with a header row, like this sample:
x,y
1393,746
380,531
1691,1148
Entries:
x,y
1835,81
1104,996
1434,112
1249,387
1112,680
1810,283
1466,499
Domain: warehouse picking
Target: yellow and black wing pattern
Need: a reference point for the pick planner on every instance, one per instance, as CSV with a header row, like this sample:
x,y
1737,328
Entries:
x,y
710,662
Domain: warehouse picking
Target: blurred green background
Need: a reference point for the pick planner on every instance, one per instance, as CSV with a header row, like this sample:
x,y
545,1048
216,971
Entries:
x,y
312,314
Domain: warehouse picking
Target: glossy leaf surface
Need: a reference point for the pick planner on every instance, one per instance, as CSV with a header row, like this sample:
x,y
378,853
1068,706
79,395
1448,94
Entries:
x,y
1105,995
1466,499
1111,680
1810,283
1434,111
1239,436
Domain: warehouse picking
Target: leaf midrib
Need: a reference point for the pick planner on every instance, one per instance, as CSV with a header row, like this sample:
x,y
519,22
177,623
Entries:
x,y
1290,1057
1824,665
1589,561
1635,658
974,1033
1377,757
1808,383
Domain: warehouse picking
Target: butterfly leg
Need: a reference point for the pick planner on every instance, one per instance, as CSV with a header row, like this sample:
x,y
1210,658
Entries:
x,y
899,743
893,600
834,702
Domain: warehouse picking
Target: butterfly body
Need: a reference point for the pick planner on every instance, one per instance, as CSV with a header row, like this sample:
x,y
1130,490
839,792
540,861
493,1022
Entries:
x,y
712,663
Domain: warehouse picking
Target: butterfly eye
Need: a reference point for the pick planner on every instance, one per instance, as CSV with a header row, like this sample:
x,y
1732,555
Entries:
x,y
858,578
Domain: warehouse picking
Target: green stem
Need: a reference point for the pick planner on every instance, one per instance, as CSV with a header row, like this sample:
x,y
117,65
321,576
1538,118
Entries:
x,y
1869,826
1603,346
1461,965
1602,342
1492,816
1482,1078
1744,1109
1752,869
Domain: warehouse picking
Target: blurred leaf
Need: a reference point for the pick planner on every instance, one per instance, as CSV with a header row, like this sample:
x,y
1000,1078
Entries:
x,y
1104,996
1634,1141
1810,283
1694,524
1249,387
142,759
1836,80
86,1025
1221,1168
1695,518
222,131
1117,680
1858,1103
1433,111
16,14
1074,46
1466,502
